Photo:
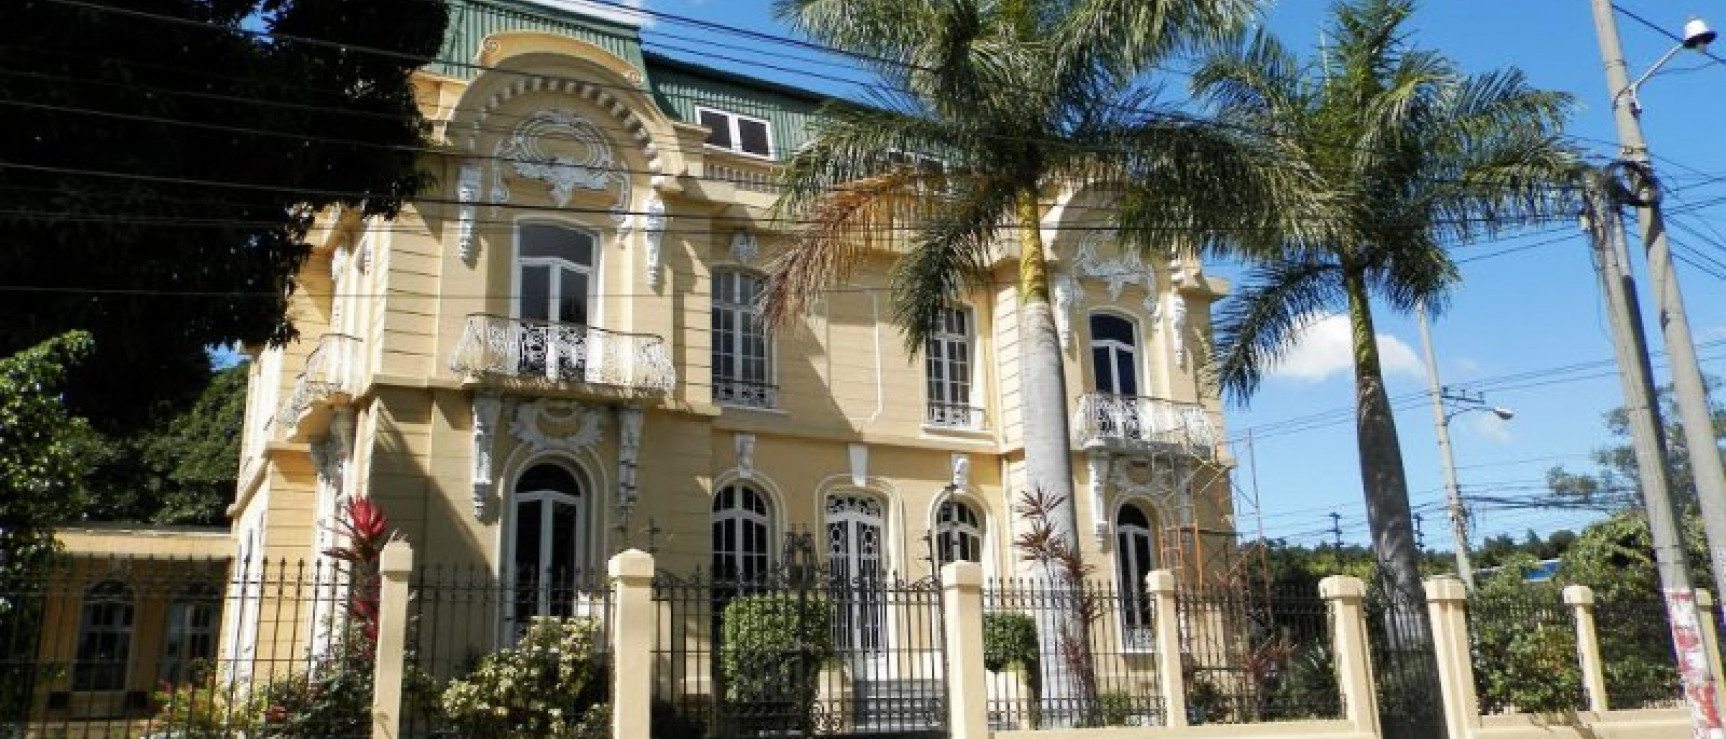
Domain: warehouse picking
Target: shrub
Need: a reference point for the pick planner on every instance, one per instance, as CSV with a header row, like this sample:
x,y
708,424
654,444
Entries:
x,y
550,684
335,699
1010,642
771,653
205,708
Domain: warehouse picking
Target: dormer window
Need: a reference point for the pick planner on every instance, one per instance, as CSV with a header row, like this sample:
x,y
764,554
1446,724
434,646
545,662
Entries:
x,y
739,133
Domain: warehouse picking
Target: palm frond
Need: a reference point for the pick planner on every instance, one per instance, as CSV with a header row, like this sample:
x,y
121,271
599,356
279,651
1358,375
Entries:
x,y
1260,324
837,232
1123,37
948,255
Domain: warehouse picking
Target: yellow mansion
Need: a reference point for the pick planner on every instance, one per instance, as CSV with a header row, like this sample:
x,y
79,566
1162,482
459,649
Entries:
x,y
556,354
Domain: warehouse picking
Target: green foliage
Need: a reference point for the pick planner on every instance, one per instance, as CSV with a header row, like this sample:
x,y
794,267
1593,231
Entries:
x,y
772,650
1010,642
334,699
39,468
180,468
1615,479
1116,707
206,708
184,260
550,684
1524,644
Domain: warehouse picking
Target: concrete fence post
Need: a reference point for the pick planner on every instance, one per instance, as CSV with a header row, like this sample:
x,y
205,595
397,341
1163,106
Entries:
x,y
1160,584
1710,632
395,566
632,637
1580,598
1346,597
962,627
1447,603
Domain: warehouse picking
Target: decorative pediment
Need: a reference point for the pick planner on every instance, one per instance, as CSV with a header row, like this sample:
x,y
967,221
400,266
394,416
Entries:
x,y
563,151
547,424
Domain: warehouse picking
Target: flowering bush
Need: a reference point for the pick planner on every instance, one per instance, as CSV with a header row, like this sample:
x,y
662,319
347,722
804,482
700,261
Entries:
x,y
550,684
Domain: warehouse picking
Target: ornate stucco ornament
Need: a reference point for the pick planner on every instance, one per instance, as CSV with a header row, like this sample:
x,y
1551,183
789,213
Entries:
x,y
1066,294
744,246
547,424
653,235
629,421
745,448
467,191
486,407
566,152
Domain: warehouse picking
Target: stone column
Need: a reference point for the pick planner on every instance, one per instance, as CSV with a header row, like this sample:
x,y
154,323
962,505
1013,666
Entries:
x,y
1580,598
962,627
632,635
395,566
1447,602
1346,597
1161,587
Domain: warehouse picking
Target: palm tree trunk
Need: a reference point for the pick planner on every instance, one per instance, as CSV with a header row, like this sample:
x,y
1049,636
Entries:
x,y
1408,629
1068,693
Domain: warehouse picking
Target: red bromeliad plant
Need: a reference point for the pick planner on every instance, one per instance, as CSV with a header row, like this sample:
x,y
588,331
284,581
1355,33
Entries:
x,y
367,530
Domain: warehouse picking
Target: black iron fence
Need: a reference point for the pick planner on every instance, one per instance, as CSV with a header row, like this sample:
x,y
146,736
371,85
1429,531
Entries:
x,y
494,656
806,649
1105,672
1523,646
1636,653
1253,656
1405,665
109,647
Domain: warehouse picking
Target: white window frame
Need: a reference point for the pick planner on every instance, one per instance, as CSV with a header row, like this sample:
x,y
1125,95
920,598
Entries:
x,y
731,119
183,630
955,529
583,542
123,634
738,515
1136,633
975,413
769,388
1137,351
591,270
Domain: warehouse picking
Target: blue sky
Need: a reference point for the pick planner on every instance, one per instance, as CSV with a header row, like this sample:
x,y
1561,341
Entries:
x,y
1516,317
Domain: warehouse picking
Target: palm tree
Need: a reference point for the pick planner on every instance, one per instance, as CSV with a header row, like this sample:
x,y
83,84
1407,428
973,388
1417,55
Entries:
x,y
1017,99
1425,156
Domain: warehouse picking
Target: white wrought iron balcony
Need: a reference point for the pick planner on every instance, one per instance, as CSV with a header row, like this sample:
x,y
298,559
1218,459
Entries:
x,y
1132,422
328,379
499,347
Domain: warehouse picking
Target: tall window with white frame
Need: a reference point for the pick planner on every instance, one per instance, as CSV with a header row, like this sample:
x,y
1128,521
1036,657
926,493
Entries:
x,y
104,638
742,526
1114,354
554,287
742,354
958,533
546,543
947,363
191,637
1135,557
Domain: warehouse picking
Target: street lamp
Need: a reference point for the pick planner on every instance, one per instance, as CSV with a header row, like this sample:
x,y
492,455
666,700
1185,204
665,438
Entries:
x,y
1452,403
1697,37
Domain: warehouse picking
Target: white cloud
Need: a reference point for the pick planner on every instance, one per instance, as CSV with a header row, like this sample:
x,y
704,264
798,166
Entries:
x,y
1323,348
616,12
1713,333
1491,427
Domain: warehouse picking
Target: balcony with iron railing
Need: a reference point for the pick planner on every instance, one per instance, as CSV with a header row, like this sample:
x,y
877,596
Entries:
x,y
745,393
328,380
1136,423
952,416
581,358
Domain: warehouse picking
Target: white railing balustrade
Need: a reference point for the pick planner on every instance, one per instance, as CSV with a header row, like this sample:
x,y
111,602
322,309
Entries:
x,y
1105,419
499,346
330,369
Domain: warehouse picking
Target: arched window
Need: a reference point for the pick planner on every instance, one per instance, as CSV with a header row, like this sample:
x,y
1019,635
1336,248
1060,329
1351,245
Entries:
x,y
742,356
947,366
958,533
742,525
1114,354
1135,557
191,637
104,638
546,541
554,289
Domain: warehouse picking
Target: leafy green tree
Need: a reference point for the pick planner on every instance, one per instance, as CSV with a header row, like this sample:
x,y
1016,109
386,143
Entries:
x,y
178,470
168,159
1425,156
1615,480
39,439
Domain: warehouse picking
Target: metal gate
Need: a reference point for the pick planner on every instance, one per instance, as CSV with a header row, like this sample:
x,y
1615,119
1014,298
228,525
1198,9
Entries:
x,y
778,653
1404,664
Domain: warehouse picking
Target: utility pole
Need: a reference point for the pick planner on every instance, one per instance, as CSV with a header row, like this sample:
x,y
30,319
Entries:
x,y
1604,223
1441,426
1336,531
1419,535
1686,374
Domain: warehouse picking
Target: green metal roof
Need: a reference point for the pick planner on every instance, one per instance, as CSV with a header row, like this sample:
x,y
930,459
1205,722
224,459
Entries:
x,y
470,21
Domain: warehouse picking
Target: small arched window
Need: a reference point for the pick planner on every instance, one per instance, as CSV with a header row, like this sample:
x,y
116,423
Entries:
x,y
958,533
1135,557
742,525
1114,354
104,638
547,540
